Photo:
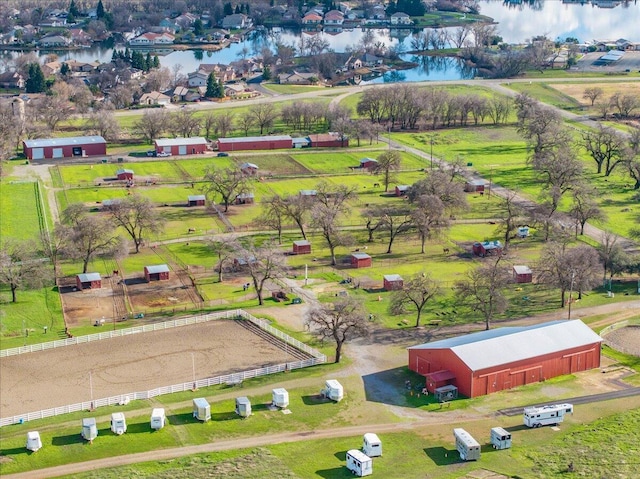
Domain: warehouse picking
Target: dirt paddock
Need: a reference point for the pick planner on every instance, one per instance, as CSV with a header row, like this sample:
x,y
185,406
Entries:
x,y
625,339
139,362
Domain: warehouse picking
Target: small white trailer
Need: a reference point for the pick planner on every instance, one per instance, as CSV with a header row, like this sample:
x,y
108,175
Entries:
x,y
333,390
545,415
371,445
89,429
243,406
359,463
34,443
280,397
201,409
118,423
500,438
158,418
466,445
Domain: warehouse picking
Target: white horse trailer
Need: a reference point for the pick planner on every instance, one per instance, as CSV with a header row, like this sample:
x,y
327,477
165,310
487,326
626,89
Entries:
x,y
34,443
201,409
359,463
466,445
500,438
118,423
280,397
89,429
158,418
243,406
371,445
333,390
545,415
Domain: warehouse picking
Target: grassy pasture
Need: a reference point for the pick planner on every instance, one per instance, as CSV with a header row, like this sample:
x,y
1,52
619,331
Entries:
x,y
19,213
292,89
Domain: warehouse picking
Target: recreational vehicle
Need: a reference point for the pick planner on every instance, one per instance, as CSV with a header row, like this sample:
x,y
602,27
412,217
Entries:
x,y
158,418
33,441
466,445
118,423
243,406
333,390
89,429
280,398
201,409
545,415
359,463
500,438
371,445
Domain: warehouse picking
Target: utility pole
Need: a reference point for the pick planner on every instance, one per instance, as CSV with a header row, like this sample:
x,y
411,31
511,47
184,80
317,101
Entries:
x,y
431,142
573,275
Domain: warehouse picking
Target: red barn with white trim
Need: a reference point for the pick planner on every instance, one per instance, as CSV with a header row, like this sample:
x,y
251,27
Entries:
x,y
273,142
522,274
503,358
361,260
75,146
157,272
88,281
329,140
181,146
392,282
124,174
301,247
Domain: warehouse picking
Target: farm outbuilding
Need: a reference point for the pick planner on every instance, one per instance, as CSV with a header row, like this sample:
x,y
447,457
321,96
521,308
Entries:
x,y
47,148
124,174
487,248
245,199
88,281
522,274
361,260
503,358
392,282
250,169
402,190
34,443
329,140
273,142
474,186
368,163
301,247
196,200
156,272
309,193
181,146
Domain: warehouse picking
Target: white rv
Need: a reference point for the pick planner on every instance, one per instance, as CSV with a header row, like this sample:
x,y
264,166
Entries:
x,y
33,441
280,397
359,463
118,423
333,390
201,409
371,445
243,406
158,418
89,429
545,415
500,438
466,445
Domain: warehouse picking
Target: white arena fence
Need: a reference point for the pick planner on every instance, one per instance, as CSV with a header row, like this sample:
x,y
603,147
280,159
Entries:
x,y
235,378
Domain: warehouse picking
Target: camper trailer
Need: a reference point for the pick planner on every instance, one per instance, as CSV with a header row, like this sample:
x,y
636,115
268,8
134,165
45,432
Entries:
x,y
158,418
201,409
33,441
118,423
545,415
89,429
500,438
359,463
243,406
371,445
333,390
466,445
280,398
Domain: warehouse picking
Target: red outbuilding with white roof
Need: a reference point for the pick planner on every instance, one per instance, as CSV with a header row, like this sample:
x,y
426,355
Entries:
x,y
74,146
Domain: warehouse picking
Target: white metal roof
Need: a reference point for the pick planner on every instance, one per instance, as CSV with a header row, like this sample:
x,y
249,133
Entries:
x,y
360,255
245,139
246,165
301,242
87,277
123,170
196,140
520,269
612,56
157,268
68,141
196,198
505,345
393,277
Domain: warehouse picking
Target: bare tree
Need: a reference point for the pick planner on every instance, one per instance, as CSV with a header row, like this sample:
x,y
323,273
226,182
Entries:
x,y
274,215
341,322
298,207
585,208
224,250
223,124
263,263
592,94
415,294
264,114
499,109
604,106
460,35
613,257
396,220
103,123
19,267
483,290
137,216
509,213
372,221
53,110
625,104
441,184
247,121
184,123
428,217
388,164
227,183
606,147
151,124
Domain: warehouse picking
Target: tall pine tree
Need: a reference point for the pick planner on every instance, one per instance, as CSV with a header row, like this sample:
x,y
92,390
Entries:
x,y
100,10
212,86
36,82
73,9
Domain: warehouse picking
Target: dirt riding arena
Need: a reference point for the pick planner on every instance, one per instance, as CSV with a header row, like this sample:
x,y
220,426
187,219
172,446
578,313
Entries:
x,y
625,339
139,362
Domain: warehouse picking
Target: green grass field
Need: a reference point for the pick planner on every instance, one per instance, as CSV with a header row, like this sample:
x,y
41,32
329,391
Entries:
x,y
20,217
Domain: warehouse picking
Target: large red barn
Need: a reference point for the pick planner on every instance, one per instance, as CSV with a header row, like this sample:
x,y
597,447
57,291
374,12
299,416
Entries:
x,y
274,142
181,146
48,148
498,359
329,140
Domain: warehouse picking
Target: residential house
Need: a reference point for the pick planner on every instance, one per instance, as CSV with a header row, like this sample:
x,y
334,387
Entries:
x,y
378,12
150,38
51,68
220,71
234,90
12,80
400,18
54,41
236,21
154,98
53,22
334,17
626,45
179,93
353,15
198,79
80,37
297,78
186,20
369,60
169,25
247,67
344,7
311,18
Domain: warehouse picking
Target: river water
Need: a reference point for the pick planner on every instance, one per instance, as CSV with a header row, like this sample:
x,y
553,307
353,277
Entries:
x,y
517,22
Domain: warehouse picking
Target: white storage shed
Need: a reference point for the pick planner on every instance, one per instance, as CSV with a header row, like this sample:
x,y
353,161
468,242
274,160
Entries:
x,y
333,390
158,418
280,397
89,429
371,445
243,406
118,423
201,409
500,438
359,463
33,441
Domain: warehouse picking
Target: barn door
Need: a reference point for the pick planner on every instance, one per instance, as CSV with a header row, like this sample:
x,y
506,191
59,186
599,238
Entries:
x,y
37,153
182,150
57,153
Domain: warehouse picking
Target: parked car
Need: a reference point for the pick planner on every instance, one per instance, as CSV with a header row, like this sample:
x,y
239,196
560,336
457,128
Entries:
x,y
163,154
223,153
151,153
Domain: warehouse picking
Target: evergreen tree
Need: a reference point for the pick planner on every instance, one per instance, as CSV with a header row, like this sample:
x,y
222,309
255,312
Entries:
x,y
228,9
73,9
148,62
237,9
36,82
65,70
266,73
100,10
108,20
137,60
247,9
156,61
71,18
212,86
127,55
198,27
220,89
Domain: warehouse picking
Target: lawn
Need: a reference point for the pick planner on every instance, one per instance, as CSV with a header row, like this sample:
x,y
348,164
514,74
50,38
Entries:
x,y
21,215
292,89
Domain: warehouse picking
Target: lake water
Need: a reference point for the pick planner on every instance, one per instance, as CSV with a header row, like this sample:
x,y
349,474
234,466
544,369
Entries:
x,y
516,23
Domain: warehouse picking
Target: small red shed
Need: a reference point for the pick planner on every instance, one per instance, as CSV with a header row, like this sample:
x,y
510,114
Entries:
x,y
196,200
273,142
393,282
181,146
88,281
156,272
361,260
487,248
438,379
368,163
124,174
245,199
474,186
329,140
522,274
301,247
402,190
249,169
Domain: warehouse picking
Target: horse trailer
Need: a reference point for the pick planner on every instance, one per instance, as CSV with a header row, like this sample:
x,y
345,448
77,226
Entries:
x,y
89,429
201,409
500,438
118,423
34,443
371,445
280,397
466,445
243,406
545,415
333,390
158,418
359,463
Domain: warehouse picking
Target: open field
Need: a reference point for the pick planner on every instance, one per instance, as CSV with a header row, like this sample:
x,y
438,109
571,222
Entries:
x,y
20,217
